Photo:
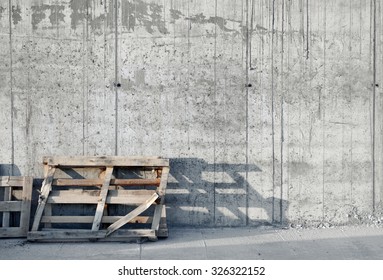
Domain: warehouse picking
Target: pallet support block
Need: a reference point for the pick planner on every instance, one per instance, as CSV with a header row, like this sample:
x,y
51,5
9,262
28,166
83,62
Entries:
x,y
127,195
17,193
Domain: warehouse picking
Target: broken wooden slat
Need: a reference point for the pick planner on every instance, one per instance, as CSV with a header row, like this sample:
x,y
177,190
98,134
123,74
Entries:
x,y
121,222
102,199
48,206
45,189
106,161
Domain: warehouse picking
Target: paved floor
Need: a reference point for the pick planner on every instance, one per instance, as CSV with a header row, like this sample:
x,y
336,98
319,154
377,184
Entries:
x,y
342,243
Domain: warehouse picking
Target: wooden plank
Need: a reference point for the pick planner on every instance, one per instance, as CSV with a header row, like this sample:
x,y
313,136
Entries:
x,y
10,206
12,232
157,217
163,229
113,227
7,197
102,199
78,161
26,204
98,182
45,190
89,219
11,181
48,207
124,197
161,190
87,234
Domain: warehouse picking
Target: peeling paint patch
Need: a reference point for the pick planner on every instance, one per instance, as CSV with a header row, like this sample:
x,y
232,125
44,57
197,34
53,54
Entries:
x,y
219,21
175,14
97,23
57,14
128,18
139,13
16,14
38,15
78,14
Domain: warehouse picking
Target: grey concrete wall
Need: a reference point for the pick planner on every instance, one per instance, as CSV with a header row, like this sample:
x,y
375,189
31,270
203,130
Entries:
x,y
270,110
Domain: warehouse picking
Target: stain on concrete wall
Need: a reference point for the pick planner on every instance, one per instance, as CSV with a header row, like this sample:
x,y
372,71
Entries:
x,y
16,14
267,109
2,9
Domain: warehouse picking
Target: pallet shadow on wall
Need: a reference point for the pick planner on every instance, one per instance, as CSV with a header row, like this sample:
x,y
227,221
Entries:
x,y
204,194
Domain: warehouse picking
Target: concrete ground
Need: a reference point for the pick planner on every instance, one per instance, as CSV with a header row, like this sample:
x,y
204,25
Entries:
x,y
268,243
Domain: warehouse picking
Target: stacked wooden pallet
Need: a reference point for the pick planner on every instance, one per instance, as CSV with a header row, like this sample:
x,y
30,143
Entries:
x,y
107,198
16,206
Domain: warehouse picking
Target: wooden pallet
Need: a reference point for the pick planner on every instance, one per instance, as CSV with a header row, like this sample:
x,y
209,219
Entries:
x,y
110,199
15,209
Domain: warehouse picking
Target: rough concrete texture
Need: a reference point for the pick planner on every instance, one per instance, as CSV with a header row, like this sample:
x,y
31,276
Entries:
x,y
244,243
269,110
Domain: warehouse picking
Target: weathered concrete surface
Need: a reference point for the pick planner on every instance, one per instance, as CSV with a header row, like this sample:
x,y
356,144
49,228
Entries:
x,y
260,243
270,111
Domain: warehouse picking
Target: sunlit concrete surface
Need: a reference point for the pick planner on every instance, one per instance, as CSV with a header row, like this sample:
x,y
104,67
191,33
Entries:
x,y
267,243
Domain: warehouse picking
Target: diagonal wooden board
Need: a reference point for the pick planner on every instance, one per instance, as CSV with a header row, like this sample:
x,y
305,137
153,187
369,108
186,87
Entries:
x,y
45,190
102,199
137,211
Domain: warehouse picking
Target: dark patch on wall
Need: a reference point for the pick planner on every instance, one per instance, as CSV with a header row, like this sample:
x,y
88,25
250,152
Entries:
x,y
134,13
219,21
175,14
97,23
138,13
16,14
128,18
1,12
57,14
79,11
39,14
111,14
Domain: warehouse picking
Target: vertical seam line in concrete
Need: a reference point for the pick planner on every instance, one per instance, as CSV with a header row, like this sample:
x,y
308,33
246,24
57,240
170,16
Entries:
x,y
11,89
116,76
84,46
248,67
282,112
373,105
272,107
323,108
307,27
215,105
351,103
247,111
